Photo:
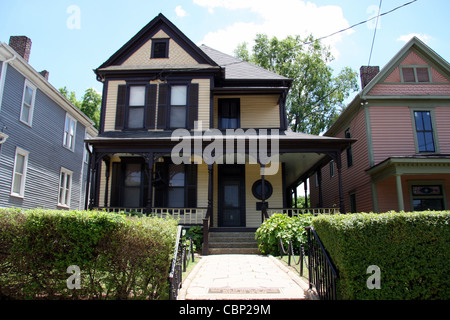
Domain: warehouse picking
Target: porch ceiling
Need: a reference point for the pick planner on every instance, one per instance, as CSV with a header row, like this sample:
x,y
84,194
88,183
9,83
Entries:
x,y
298,164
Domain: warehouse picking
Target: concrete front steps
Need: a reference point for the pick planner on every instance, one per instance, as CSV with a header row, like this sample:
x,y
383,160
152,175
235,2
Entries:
x,y
232,243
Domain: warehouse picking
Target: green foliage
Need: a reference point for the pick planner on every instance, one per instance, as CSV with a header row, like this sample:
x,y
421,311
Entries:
x,y
316,96
90,103
119,257
412,251
280,226
196,234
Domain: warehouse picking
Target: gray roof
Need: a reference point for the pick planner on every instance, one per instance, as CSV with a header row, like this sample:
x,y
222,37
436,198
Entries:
x,y
239,69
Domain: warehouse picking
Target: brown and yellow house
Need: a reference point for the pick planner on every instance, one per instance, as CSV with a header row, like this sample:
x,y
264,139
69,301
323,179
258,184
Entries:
x,y
192,132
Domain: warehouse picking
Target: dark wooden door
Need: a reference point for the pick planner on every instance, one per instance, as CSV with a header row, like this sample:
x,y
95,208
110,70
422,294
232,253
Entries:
x,y
231,196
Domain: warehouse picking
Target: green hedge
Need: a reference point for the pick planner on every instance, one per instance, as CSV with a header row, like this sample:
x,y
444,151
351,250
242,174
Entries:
x,y
280,226
119,257
412,251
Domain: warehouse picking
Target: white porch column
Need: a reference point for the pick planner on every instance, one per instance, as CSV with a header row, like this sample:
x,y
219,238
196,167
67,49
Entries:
x,y
401,206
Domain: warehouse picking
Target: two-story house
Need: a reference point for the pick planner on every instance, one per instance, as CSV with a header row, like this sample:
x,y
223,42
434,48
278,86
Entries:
x,y
401,120
43,159
187,130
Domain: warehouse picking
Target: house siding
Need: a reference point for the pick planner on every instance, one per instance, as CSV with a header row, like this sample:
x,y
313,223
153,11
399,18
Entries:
x,y
44,142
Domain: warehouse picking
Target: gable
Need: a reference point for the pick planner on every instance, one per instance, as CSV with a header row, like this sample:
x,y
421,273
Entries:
x,y
137,52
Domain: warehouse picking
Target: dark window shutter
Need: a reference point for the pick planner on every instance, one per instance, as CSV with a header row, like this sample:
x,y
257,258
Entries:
x,y
191,185
162,106
150,107
193,105
121,103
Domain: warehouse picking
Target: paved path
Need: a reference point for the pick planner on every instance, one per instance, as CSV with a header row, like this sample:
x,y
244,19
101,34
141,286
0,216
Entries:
x,y
242,277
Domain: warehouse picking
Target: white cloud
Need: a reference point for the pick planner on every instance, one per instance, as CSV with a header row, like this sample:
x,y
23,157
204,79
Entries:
x,y
405,38
180,12
279,18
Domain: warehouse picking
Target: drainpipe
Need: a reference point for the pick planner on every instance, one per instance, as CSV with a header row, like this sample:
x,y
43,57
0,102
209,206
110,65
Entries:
x,y
2,77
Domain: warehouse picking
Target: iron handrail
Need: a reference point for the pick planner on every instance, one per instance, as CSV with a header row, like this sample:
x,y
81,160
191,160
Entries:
x,y
175,269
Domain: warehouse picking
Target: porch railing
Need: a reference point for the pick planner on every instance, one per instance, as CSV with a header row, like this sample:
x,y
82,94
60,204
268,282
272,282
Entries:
x,y
292,212
186,216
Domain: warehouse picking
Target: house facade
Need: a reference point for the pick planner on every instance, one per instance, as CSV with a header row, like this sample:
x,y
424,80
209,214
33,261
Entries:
x,y
195,133
401,120
43,160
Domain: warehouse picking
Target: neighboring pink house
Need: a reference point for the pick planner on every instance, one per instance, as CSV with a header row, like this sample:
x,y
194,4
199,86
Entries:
x,y
401,120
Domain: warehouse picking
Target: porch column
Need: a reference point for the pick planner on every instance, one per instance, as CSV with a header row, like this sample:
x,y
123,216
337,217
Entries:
x,y
107,162
398,179
341,189
295,197
263,194
93,179
306,193
149,159
319,179
210,189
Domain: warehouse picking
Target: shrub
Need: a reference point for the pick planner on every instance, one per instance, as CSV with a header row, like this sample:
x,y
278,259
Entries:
x,y
281,226
119,257
412,251
196,234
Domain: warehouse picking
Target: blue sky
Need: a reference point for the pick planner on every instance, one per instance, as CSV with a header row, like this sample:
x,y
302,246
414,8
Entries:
x,y
71,38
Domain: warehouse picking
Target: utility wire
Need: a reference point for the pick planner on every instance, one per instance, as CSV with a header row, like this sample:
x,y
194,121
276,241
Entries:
x,y
375,33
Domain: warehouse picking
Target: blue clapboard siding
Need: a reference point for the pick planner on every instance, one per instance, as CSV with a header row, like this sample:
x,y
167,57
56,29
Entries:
x,y
44,142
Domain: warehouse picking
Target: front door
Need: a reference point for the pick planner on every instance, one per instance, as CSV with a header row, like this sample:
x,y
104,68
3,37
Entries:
x,y
231,196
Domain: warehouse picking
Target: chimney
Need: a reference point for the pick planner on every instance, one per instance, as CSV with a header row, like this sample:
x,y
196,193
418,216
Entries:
x,y
22,45
367,74
45,74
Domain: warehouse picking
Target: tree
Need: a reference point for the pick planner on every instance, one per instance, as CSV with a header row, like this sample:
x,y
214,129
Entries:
x,y
316,97
90,103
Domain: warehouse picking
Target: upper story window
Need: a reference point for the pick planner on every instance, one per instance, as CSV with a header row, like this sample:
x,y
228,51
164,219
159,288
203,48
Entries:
x,y
424,131
65,187
28,100
415,74
178,106
69,133
136,107
20,172
160,48
229,113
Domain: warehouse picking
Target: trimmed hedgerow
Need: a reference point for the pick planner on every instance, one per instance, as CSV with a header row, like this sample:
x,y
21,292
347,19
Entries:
x,y
119,257
281,226
412,251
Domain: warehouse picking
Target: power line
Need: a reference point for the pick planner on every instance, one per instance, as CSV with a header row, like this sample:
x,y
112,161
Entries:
x,y
374,33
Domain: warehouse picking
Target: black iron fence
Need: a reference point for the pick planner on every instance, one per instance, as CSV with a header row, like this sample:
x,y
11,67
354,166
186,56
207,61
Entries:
x,y
321,273
183,249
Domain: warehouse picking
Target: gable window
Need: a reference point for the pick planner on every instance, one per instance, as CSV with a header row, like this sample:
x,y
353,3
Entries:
x,y
178,106
415,74
229,113
349,150
136,107
70,126
28,100
424,131
19,173
160,49
65,186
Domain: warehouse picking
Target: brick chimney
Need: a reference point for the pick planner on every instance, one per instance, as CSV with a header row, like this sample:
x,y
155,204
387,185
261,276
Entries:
x,y
45,74
22,45
367,74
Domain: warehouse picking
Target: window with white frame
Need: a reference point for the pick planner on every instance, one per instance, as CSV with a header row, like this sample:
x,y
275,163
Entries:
x,y
65,186
178,106
20,173
69,132
28,99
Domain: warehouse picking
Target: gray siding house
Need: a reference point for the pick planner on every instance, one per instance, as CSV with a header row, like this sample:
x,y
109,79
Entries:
x,y
43,159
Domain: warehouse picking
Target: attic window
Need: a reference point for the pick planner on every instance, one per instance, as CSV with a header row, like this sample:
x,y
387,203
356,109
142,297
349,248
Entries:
x,y
416,74
160,48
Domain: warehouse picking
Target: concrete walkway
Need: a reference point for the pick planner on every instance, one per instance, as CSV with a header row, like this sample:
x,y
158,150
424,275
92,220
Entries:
x,y
242,277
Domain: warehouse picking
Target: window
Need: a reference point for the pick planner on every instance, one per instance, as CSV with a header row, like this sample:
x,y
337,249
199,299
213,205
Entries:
x,y
20,172
178,106
65,186
349,150
176,194
29,95
229,113
160,49
69,132
424,131
257,189
132,185
415,74
136,107
427,197
353,203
